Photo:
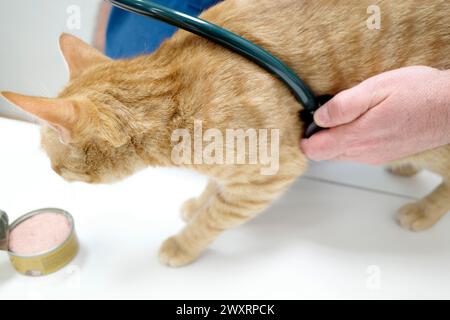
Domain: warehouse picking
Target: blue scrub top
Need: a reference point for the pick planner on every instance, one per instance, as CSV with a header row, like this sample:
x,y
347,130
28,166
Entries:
x,y
130,35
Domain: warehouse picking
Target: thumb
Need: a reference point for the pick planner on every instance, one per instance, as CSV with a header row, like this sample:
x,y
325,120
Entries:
x,y
349,105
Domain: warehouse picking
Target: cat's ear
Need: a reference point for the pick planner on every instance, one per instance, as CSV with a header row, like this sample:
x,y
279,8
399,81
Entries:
x,y
79,55
61,114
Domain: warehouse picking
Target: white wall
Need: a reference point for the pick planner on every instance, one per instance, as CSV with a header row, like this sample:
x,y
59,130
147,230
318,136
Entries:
x,y
30,61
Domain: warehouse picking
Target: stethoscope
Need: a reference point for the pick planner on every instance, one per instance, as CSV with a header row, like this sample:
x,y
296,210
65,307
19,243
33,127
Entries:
x,y
232,41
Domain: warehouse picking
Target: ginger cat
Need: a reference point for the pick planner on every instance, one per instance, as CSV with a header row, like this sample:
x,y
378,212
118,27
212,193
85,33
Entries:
x,y
116,117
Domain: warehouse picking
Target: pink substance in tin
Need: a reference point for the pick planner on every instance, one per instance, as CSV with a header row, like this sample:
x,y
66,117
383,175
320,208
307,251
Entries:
x,y
39,233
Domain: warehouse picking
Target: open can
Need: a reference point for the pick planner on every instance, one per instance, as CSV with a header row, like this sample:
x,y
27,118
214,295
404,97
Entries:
x,y
41,263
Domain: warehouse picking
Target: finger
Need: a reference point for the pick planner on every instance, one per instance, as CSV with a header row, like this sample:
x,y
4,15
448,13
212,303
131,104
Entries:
x,y
350,104
324,145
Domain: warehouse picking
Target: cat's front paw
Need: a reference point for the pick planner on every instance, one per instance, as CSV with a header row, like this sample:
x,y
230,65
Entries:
x,y
189,209
414,217
175,254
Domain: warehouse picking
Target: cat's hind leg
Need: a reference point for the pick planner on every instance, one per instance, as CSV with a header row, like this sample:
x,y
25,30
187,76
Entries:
x,y
232,205
424,213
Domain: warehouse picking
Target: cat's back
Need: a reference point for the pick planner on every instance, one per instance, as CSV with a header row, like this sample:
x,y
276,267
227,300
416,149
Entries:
x,y
335,44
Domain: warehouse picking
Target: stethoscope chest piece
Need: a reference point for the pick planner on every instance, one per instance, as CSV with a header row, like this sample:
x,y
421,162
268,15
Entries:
x,y
311,128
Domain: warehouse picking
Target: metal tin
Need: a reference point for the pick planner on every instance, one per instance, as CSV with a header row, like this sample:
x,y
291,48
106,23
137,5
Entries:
x,y
4,231
52,260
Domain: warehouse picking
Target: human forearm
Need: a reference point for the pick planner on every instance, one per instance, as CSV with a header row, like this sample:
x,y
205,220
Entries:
x,y
446,102
102,22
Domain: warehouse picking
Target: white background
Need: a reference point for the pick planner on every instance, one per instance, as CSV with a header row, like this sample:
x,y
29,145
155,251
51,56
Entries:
x,y
332,236
30,61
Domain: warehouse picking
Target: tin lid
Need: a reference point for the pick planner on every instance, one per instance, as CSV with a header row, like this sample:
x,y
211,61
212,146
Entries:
x,y
4,231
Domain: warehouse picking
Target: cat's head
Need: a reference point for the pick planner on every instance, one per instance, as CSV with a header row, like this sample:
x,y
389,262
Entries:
x,y
86,132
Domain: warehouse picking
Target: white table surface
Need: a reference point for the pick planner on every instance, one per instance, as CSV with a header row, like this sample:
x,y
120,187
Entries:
x,y
332,236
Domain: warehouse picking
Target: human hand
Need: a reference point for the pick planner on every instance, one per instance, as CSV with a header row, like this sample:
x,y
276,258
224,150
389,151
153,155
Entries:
x,y
388,117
